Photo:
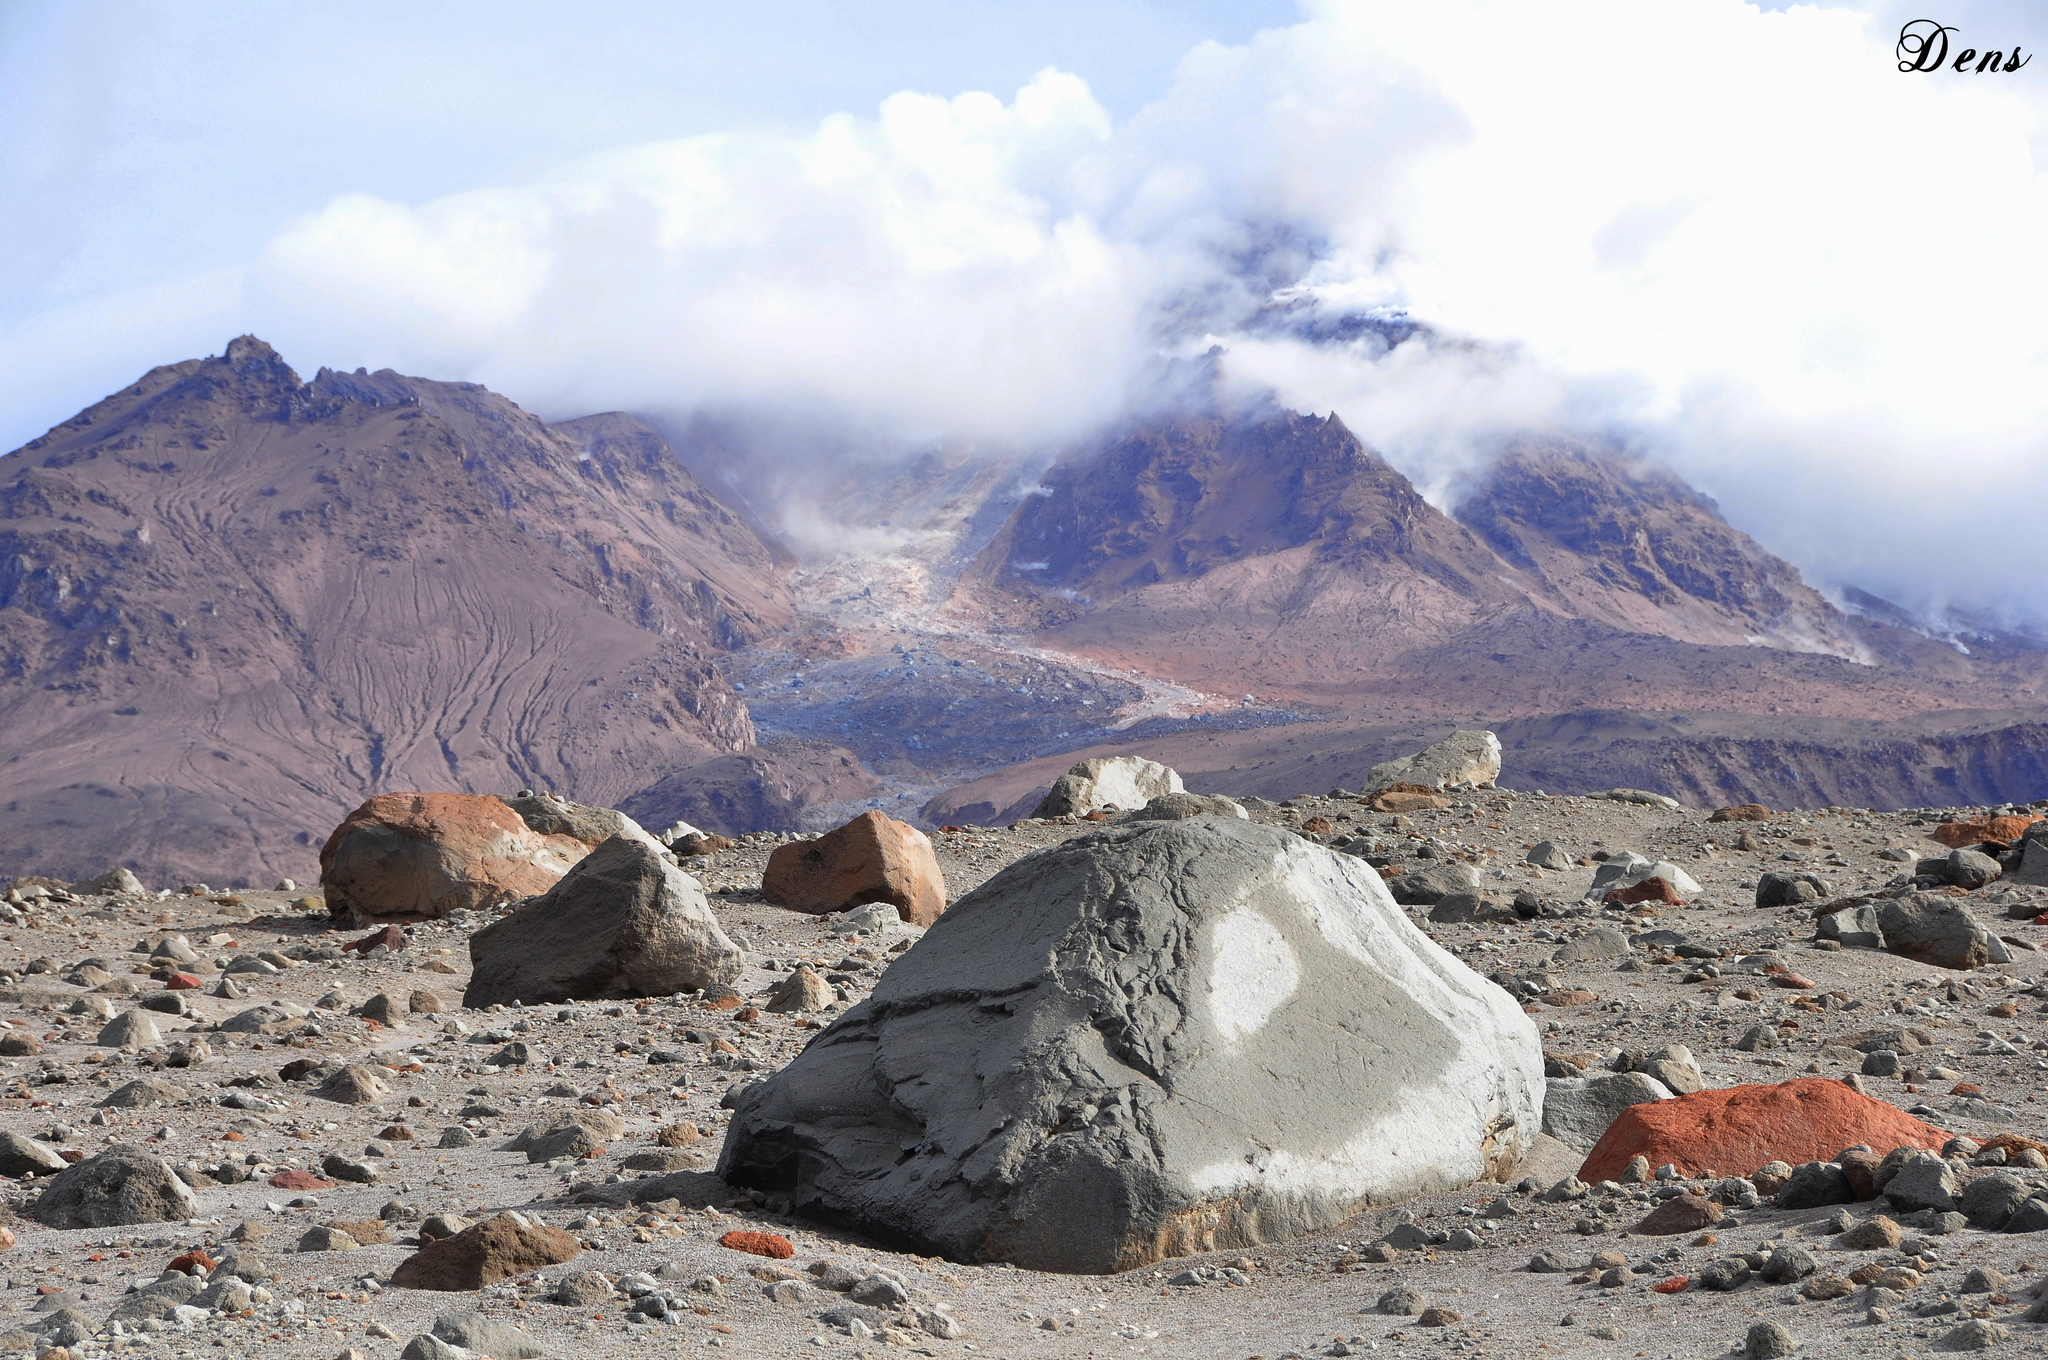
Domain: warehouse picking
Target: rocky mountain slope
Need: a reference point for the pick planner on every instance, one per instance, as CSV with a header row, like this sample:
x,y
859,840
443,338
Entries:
x,y
232,604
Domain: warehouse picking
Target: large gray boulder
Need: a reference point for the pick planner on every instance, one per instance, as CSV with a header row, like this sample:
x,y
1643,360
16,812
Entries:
x,y
1123,782
1157,1039
1577,1110
22,1156
1461,760
1937,929
623,922
122,1185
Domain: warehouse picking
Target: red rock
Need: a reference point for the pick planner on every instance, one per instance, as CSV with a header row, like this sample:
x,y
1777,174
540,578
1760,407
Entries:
x,y
391,937
1738,1129
1675,1285
1790,980
418,856
183,982
1977,830
483,1253
1652,889
292,1178
872,858
183,1264
759,1244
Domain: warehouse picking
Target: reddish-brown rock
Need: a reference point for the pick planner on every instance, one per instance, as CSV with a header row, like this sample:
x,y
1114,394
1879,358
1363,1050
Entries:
x,y
1735,1131
183,982
1652,889
294,1179
496,1249
417,856
759,1244
872,858
1680,1214
1977,830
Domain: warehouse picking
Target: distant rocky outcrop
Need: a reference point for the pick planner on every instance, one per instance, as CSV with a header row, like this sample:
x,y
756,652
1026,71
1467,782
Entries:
x,y
1461,760
1122,782
419,856
1157,1039
624,922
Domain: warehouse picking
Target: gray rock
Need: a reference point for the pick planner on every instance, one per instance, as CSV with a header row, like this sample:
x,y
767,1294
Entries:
x,y
428,1347
1578,1110
489,1336
1788,1264
354,1084
122,1185
1474,906
1174,807
1639,797
112,883
1971,868
1601,942
132,1030
1990,1201
1548,855
270,1017
567,1140
322,1238
141,1093
1003,1094
1855,927
156,1299
1461,760
583,1289
22,1156
1730,1272
1978,1334
1427,887
342,1169
1923,1181
1931,928
1880,1062
1778,888
1401,1301
623,922
1122,782
2030,1217
1768,1341
455,1136
1815,1185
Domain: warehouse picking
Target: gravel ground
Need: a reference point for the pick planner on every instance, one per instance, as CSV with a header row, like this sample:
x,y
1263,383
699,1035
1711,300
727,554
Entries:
x,y
1312,1296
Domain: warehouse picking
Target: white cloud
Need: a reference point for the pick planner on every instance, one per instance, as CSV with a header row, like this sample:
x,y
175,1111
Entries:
x,y
1734,237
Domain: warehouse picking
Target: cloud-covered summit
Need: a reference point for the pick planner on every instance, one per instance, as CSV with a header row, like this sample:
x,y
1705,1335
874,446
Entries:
x,y
1737,240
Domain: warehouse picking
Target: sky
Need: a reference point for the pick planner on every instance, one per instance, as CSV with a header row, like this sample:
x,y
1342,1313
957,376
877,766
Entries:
x,y
1737,239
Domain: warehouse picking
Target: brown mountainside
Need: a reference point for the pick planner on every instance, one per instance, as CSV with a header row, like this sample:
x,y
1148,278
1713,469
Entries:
x,y
233,604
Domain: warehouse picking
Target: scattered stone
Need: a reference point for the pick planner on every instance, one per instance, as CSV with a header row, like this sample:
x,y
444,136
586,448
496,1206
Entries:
x,y
771,1245
1466,759
1768,1341
420,856
323,1238
801,991
1788,889
1578,1110
623,923
583,1289
1978,1334
354,1084
122,1185
21,1157
1548,855
496,1249
132,1030
1876,1233
1738,1129
1923,1181
1174,807
1680,1214
1742,812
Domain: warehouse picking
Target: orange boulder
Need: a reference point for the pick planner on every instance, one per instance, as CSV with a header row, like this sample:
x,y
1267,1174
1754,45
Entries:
x,y
872,858
417,856
1652,889
1734,1131
1976,830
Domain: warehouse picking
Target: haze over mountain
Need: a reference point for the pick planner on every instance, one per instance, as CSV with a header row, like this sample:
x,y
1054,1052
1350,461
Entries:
x,y
233,604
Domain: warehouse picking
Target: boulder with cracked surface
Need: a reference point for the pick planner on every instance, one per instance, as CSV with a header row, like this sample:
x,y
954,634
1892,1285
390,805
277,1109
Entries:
x,y
1067,1069
1461,760
625,922
1123,782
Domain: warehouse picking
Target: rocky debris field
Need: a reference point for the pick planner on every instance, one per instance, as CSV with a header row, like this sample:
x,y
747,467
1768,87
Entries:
x,y
229,1131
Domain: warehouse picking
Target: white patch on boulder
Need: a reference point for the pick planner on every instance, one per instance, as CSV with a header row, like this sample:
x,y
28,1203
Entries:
x,y
1252,975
